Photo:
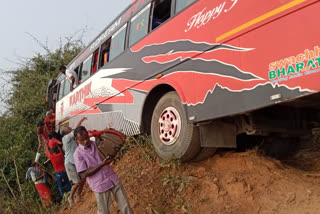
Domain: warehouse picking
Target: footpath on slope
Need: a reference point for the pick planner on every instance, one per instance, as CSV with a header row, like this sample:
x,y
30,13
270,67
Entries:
x,y
228,182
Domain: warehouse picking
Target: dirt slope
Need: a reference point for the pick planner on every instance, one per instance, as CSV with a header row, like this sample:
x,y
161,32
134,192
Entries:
x,y
229,182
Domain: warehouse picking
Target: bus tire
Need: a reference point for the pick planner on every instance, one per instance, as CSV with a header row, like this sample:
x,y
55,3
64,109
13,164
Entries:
x,y
170,132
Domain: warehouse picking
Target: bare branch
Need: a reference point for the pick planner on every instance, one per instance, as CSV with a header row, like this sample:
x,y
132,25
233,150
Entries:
x,y
83,31
13,62
44,46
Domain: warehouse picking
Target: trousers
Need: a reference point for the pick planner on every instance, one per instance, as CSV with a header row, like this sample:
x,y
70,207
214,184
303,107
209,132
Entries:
x,y
104,200
45,194
62,178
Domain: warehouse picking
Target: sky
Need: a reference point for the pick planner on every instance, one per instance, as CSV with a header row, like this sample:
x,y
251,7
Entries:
x,y
49,21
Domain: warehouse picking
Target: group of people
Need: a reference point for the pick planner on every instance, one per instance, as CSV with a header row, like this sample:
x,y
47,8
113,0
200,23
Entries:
x,y
75,160
59,149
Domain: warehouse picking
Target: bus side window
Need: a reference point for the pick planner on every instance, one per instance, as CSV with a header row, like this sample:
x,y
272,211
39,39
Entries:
x,y
80,73
118,42
51,92
161,12
105,53
182,4
139,25
61,88
67,85
95,61
77,70
86,69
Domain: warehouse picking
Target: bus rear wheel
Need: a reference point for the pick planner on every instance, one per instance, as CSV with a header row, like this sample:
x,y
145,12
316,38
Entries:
x,y
171,134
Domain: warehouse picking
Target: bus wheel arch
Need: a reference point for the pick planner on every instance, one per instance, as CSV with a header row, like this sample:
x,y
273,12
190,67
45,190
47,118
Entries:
x,y
150,103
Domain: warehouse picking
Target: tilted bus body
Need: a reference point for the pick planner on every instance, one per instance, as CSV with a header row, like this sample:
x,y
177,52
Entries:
x,y
197,73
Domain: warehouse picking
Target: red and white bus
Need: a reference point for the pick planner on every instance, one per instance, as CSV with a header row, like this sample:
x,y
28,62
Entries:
x,y
195,74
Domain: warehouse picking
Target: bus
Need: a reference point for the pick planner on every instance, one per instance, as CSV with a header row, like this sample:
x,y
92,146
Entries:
x,y
197,74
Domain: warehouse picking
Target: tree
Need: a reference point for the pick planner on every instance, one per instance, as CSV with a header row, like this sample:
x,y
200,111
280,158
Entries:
x,y
25,107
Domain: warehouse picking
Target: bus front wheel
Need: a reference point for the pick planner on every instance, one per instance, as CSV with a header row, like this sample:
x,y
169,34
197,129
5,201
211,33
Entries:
x,y
171,134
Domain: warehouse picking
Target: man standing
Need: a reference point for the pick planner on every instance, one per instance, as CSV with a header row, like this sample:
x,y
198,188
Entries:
x,y
71,75
100,176
56,158
70,146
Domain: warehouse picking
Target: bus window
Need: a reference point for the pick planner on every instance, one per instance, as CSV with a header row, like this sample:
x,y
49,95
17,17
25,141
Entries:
x,y
77,70
51,92
67,85
117,42
95,61
139,25
61,88
86,69
161,12
181,4
105,53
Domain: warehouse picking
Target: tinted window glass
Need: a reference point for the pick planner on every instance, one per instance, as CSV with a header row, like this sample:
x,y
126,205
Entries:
x,y
105,53
161,12
60,95
181,4
67,85
95,62
86,69
117,42
77,70
139,25
61,77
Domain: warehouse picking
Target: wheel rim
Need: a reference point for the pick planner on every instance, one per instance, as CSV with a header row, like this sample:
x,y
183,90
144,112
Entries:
x,y
169,126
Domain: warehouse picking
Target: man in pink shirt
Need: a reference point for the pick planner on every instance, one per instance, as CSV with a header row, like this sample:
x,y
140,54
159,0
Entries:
x,y
100,176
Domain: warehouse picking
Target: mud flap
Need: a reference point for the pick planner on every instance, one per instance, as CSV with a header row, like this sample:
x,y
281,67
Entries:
x,y
218,134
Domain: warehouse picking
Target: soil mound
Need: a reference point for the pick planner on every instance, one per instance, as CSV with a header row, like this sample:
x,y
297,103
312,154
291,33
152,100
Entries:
x,y
228,182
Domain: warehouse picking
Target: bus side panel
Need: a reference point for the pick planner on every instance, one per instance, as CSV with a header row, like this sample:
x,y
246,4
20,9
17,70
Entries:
x,y
238,75
285,55
104,103
219,68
